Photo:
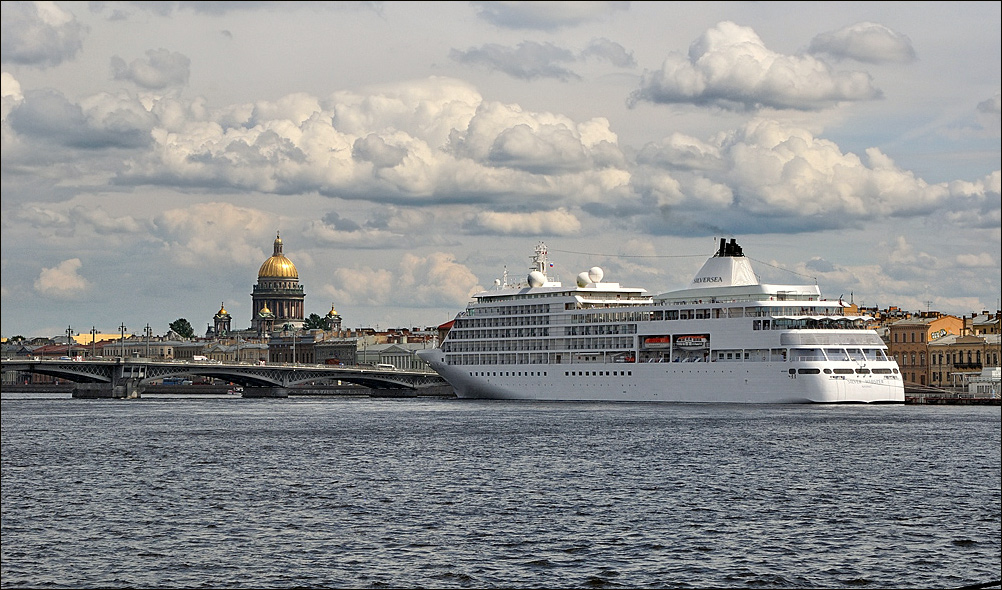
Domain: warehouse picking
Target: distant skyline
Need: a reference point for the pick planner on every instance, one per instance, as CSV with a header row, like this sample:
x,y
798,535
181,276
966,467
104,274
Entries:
x,y
409,152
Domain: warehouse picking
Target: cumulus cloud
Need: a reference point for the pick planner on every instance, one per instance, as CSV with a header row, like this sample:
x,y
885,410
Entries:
x,y
10,91
38,34
772,176
731,68
161,69
865,42
433,141
62,281
215,233
495,168
346,233
105,223
417,281
545,16
978,260
540,223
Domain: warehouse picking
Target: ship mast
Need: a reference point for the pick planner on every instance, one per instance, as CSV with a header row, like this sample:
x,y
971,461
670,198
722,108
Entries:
x,y
539,259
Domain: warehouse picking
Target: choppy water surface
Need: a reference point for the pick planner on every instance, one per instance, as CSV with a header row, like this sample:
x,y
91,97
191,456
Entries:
x,y
218,492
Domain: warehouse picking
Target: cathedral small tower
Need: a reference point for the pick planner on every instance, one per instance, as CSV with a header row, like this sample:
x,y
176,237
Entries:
x,y
221,322
333,319
265,321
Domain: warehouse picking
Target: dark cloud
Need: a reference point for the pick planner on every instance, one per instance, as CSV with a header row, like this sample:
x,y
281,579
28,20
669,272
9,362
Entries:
x,y
374,149
990,106
545,16
611,51
340,223
47,115
819,265
528,61
218,8
38,34
161,69
865,42
545,151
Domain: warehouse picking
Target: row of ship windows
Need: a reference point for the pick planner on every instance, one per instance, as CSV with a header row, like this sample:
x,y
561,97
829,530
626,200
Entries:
x,y
508,373
504,310
543,373
494,322
859,371
609,343
622,319
498,333
597,330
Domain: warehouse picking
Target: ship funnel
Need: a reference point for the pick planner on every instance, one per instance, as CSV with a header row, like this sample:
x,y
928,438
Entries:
x,y
728,267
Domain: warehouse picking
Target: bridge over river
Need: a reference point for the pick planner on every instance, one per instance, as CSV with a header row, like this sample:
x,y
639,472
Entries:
x,y
128,378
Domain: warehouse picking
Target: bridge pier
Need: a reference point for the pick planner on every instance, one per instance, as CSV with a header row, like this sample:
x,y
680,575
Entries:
x,y
261,392
129,389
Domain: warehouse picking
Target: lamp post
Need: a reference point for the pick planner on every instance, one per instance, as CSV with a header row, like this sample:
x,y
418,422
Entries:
x,y
69,340
122,327
93,342
149,332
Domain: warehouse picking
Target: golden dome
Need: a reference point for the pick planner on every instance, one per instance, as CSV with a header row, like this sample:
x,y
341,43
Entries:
x,y
222,310
278,266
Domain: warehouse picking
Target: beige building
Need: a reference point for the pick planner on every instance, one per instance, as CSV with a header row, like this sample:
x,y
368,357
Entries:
x,y
955,360
909,340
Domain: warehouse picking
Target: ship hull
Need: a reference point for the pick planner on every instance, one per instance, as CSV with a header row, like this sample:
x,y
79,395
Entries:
x,y
666,382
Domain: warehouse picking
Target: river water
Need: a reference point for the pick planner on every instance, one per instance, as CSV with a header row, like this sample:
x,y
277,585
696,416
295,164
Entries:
x,y
223,492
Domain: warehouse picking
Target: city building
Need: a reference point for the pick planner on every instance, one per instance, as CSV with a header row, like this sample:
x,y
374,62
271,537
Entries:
x,y
908,342
954,360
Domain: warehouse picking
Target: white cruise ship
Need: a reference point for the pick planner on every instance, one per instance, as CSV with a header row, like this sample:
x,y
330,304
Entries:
x,y
726,338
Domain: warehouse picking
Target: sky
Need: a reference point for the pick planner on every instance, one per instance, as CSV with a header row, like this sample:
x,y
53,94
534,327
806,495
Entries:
x,y
408,153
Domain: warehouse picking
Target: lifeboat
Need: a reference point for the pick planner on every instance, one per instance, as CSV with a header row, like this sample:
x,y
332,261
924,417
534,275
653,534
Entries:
x,y
691,342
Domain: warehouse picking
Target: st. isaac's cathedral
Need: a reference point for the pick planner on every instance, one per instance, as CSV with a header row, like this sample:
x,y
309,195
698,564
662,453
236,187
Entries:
x,y
277,299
